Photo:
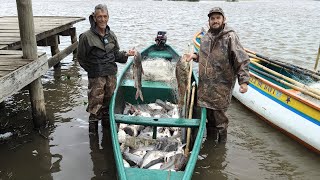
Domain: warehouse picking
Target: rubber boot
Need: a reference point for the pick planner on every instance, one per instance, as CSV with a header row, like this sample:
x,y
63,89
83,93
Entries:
x,y
222,137
93,124
212,133
93,127
105,121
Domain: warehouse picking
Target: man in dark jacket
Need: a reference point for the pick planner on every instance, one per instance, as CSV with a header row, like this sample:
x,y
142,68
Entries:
x,y
222,60
98,52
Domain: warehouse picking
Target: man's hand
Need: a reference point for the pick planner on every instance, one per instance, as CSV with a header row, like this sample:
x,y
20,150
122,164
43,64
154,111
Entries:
x,y
191,56
131,52
243,88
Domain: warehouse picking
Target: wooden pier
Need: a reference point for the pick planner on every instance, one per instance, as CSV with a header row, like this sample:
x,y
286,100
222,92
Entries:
x,y
21,68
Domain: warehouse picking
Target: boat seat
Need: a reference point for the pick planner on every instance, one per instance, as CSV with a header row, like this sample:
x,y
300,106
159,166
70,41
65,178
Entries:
x,y
161,122
154,174
146,84
160,54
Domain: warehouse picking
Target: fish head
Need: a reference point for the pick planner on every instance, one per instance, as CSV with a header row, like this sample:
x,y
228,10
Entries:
x,y
137,56
183,63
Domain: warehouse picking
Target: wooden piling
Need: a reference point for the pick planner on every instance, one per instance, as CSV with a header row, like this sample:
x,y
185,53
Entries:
x,y
73,40
29,48
54,41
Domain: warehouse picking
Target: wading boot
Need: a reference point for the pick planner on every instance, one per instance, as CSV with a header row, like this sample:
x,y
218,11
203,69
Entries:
x,y
93,124
93,127
105,121
222,137
212,133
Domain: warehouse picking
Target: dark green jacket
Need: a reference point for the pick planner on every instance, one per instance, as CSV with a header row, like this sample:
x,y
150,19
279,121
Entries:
x,y
98,55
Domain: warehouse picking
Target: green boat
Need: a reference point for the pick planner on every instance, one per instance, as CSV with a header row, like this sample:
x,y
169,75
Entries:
x,y
152,90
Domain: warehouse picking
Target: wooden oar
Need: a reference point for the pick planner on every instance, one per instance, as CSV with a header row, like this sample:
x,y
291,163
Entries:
x,y
317,60
189,84
290,67
294,82
190,117
286,83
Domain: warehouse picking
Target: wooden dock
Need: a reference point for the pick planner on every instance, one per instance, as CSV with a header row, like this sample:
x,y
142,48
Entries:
x,y
16,70
44,26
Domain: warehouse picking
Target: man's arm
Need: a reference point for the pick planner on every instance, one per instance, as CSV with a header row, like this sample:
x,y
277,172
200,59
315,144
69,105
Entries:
x,y
82,51
240,61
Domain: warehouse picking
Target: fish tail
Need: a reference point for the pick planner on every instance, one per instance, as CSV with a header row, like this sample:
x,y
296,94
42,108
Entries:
x,y
139,94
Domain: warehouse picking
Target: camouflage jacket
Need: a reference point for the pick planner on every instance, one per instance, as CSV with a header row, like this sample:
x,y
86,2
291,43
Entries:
x,y
98,55
222,59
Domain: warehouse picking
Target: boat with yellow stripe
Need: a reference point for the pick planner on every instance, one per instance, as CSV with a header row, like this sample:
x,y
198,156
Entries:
x,y
285,95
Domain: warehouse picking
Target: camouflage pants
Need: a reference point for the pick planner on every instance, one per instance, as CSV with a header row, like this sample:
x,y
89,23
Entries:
x,y
217,121
100,90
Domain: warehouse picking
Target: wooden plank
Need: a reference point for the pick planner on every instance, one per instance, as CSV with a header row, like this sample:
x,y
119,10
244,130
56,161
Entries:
x,y
13,39
10,52
13,63
9,31
161,122
9,34
11,56
61,55
9,43
3,73
155,174
3,46
8,68
2,52
16,80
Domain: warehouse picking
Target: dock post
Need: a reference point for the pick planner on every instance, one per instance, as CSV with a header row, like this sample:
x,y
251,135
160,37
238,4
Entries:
x,y
55,48
73,35
29,48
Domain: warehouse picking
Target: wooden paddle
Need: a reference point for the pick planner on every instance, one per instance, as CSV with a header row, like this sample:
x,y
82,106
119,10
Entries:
x,y
189,84
317,60
190,117
294,82
290,67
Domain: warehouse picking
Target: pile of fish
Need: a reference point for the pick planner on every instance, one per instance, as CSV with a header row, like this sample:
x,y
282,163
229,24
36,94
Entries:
x,y
138,147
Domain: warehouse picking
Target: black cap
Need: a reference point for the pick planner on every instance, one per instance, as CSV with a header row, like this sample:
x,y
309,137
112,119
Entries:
x,y
216,10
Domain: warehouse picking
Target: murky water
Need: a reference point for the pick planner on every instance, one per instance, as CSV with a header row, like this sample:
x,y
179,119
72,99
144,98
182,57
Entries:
x,y
288,30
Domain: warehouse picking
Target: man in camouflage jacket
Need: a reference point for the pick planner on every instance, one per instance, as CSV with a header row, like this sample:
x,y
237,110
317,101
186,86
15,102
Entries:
x,y
98,52
222,60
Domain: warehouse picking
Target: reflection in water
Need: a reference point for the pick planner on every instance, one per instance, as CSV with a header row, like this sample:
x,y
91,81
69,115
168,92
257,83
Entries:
x,y
214,164
102,156
27,161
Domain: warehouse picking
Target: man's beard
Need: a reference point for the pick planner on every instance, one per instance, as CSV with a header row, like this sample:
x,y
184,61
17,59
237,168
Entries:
x,y
216,30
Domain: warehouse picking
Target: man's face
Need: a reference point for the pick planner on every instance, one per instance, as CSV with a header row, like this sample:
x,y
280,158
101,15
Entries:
x,y
216,21
101,18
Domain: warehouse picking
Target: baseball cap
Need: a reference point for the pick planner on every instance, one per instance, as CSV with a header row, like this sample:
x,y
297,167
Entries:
x,y
216,10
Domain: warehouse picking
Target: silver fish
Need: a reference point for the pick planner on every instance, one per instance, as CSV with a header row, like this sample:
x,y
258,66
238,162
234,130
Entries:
x,y
152,158
137,74
132,159
176,162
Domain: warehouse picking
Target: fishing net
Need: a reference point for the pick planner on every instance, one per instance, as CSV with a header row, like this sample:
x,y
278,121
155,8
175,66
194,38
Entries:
x,y
158,69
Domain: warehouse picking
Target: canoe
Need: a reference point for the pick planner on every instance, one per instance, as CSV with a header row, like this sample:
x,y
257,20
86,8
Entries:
x,y
152,90
282,94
